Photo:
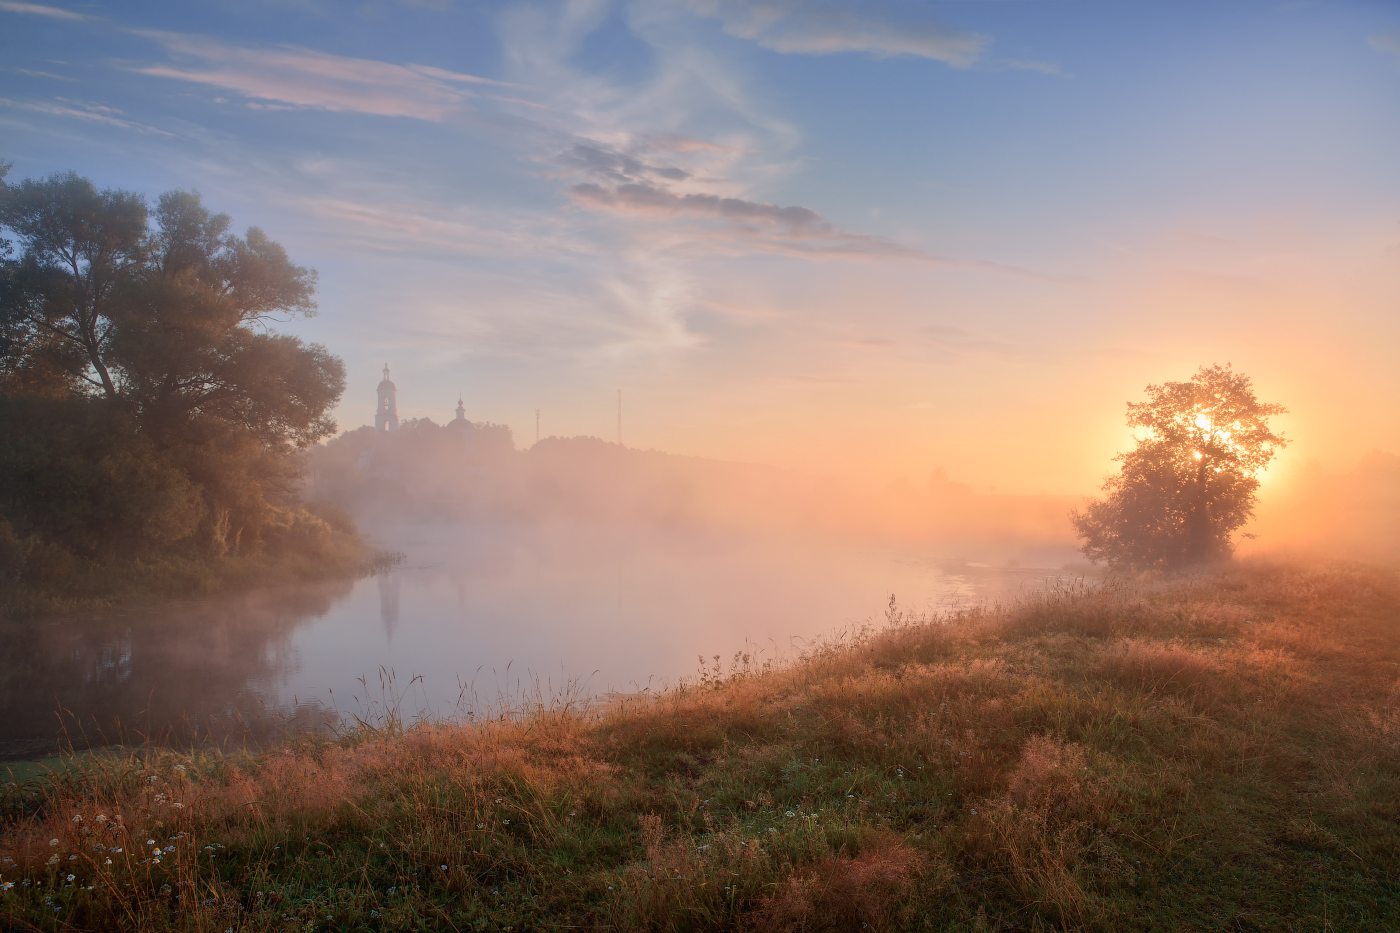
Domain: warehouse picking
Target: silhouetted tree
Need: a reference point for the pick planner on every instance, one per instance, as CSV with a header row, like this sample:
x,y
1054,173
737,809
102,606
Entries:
x,y
1190,483
158,322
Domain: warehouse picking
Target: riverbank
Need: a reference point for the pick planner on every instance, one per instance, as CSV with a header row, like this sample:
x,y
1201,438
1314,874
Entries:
x,y
39,580
1212,752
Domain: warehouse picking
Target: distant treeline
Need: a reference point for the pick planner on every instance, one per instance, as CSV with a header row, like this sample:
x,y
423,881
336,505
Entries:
x,y
430,472
152,420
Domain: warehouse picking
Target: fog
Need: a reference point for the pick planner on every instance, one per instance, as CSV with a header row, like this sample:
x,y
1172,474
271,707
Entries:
x,y
1310,512
463,473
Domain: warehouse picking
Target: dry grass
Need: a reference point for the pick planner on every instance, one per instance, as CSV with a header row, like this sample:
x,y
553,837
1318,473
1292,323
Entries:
x,y
1212,752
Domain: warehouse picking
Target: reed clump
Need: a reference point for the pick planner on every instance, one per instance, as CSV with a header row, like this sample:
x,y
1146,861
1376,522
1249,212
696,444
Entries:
x,y
1215,751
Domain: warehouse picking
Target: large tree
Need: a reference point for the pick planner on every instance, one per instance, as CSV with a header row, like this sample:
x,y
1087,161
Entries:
x,y
1190,483
163,316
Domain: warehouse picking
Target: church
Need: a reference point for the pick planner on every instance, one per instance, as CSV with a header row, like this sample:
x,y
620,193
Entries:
x,y
386,413
389,453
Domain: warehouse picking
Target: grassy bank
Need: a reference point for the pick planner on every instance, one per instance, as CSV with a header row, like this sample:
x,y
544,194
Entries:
x,y
39,578
1213,753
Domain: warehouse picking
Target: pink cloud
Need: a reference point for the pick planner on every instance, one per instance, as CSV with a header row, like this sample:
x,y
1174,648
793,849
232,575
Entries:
x,y
306,78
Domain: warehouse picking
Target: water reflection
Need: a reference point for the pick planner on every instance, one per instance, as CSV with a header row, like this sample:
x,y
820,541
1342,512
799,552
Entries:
x,y
476,616
182,672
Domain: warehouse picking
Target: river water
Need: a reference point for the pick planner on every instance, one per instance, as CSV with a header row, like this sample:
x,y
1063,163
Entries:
x,y
476,617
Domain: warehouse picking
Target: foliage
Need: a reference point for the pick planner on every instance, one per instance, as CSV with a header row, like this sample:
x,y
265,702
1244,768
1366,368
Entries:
x,y
156,412
1190,483
1219,753
76,470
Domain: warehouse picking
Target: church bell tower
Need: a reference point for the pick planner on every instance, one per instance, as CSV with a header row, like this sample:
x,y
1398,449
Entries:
x,y
386,416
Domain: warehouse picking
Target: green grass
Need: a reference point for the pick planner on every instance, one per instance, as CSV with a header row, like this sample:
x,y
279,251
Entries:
x,y
1217,752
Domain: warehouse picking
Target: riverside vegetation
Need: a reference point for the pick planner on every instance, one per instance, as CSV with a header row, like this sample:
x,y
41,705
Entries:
x,y
154,425
1218,751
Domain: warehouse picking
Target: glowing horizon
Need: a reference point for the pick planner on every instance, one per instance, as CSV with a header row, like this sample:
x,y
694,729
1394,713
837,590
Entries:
x,y
866,240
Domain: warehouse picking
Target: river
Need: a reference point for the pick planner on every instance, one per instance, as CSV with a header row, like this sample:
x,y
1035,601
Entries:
x,y
475,617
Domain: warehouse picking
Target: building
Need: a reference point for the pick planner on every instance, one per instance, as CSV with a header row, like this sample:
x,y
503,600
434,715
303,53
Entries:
x,y
386,416
460,426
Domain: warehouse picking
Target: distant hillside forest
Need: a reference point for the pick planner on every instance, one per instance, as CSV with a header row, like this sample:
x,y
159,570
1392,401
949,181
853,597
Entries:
x,y
153,421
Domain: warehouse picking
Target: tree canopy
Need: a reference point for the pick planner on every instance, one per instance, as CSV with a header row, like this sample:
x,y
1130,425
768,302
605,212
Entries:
x,y
1190,482
147,333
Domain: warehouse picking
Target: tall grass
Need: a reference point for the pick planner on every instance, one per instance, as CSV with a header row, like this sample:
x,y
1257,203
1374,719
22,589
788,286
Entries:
x,y
1210,752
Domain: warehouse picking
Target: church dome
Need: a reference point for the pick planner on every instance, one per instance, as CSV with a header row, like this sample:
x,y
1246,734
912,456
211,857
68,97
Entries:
x,y
387,386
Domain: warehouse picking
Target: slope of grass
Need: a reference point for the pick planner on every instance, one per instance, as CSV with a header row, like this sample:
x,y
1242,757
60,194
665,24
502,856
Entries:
x,y
1211,753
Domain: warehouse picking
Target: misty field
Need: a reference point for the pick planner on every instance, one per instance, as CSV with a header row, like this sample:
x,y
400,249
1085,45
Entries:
x,y
1209,752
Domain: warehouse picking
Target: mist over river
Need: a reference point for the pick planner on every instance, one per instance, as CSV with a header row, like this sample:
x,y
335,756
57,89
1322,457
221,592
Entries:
x,y
475,615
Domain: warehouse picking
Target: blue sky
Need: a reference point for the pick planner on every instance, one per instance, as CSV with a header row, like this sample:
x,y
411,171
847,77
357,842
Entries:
x,y
870,238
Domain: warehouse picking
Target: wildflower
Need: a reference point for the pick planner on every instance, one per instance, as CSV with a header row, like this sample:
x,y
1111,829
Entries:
x,y
392,891
150,842
179,767
117,849
443,867
178,806
77,817
374,915
507,822
6,885
101,817
71,877
156,851
789,813
170,848
53,859
974,812
107,862
53,842
480,825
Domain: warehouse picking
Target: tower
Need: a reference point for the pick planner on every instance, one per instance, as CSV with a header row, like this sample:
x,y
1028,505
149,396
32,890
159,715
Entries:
x,y
460,426
386,416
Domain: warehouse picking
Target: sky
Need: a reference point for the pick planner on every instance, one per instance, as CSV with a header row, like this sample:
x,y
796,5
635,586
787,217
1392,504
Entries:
x,y
868,239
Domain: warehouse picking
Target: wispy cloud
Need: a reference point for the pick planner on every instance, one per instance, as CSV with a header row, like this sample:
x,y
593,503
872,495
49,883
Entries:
x,y
35,9
95,113
44,74
615,166
1388,42
302,77
822,27
1045,68
771,227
